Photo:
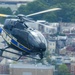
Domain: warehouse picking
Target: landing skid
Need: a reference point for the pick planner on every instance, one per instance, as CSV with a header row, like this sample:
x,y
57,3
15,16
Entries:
x,y
12,54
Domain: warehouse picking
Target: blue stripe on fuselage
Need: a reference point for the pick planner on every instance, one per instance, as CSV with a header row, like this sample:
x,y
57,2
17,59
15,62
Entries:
x,y
19,45
15,42
0,30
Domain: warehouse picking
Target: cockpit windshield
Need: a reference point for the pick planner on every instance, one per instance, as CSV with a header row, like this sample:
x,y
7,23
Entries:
x,y
14,23
20,25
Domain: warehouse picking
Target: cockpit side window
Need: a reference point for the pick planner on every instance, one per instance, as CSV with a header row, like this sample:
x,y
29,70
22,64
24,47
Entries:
x,y
20,25
14,23
8,24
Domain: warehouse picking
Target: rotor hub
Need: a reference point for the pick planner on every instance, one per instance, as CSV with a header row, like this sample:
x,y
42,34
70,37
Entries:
x,y
21,17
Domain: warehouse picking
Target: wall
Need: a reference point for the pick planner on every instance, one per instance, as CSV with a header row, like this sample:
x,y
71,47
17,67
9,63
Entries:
x,y
30,70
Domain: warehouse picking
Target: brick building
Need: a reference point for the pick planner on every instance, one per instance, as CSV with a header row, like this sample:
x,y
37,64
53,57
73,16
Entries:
x,y
24,69
4,69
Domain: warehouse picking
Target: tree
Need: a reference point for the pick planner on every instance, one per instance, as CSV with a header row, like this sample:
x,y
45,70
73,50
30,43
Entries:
x,y
63,70
7,11
32,7
67,13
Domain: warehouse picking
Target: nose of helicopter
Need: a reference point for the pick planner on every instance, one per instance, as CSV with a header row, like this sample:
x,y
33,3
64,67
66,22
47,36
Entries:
x,y
37,41
42,49
42,46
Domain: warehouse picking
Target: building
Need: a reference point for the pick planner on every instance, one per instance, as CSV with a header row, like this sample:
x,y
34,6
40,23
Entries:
x,y
73,68
13,4
52,46
15,1
4,69
67,28
62,51
27,69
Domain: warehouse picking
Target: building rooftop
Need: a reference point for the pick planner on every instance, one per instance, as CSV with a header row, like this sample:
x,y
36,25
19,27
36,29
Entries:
x,y
33,66
14,0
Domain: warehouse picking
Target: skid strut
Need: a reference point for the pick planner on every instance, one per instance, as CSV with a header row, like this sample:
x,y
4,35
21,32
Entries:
x,y
13,55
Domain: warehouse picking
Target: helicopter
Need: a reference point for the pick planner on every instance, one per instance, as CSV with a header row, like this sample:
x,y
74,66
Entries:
x,y
23,40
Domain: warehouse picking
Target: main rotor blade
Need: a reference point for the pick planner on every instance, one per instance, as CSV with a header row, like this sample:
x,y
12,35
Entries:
x,y
3,15
41,12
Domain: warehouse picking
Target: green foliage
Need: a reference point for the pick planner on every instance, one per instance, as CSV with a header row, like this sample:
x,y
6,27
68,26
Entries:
x,y
47,56
4,11
63,70
31,8
67,13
